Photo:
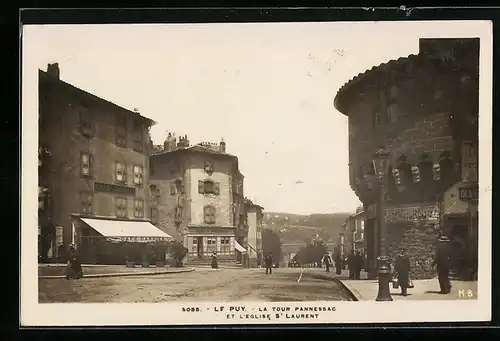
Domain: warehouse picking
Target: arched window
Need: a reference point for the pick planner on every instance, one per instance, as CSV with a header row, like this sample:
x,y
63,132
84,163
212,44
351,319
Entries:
x,y
209,214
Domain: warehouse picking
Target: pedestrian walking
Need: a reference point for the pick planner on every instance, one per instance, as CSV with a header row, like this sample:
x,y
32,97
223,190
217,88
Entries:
x,y
269,263
74,266
443,264
215,265
402,269
358,261
351,264
327,261
338,264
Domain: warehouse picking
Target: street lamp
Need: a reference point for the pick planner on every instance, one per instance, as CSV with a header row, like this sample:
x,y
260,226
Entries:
x,y
381,167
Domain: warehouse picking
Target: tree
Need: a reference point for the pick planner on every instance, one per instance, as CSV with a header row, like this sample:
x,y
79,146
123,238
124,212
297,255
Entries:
x,y
312,252
178,252
271,243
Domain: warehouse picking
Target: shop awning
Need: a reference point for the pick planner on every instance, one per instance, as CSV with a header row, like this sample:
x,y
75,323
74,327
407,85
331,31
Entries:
x,y
128,231
238,247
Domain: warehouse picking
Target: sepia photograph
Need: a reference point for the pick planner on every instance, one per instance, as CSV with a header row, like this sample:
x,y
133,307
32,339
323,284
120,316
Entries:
x,y
243,173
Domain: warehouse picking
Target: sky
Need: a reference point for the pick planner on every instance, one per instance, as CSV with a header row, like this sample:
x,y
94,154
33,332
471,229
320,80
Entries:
x,y
267,89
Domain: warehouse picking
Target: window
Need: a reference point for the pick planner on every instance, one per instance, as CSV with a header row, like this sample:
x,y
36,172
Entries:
x,y
224,245
86,160
154,215
208,187
138,138
154,191
138,175
392,113
121,172
86,123
86,199
209,214
211,244
121,207
377,119
194,247
176,187
139,208
121,131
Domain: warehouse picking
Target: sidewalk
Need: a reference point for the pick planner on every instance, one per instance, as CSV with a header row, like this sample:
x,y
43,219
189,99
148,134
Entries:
x,y
424,289
57,271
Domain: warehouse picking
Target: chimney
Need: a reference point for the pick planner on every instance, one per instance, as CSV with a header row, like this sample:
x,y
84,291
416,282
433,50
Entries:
x,y
167,143
53,70
222,146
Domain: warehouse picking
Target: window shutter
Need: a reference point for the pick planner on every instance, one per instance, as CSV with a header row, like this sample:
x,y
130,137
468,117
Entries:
x,y
201,188
172,188
91,163
216,188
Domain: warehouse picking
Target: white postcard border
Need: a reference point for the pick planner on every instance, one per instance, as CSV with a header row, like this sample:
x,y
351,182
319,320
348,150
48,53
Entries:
x,y
34,314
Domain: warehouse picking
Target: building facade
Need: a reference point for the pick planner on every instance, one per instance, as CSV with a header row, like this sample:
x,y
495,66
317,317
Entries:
x,y
196,197
94,158
423,109
253,245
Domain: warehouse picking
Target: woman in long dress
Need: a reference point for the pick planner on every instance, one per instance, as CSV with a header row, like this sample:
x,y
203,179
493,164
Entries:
x,y
214,261
402,269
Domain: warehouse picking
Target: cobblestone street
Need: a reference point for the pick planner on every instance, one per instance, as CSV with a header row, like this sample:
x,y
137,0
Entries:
x,y
203,284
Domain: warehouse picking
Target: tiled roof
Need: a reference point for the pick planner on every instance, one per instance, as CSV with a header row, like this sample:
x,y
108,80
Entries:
x,y
368,74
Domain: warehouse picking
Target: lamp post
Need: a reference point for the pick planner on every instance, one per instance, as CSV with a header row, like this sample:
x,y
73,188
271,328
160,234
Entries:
x,y
381,165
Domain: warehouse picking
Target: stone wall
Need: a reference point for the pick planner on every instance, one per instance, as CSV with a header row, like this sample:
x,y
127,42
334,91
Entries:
x,y
418,239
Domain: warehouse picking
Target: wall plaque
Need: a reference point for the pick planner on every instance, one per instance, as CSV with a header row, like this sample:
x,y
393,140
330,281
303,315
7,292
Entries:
x,y
468,193
113,189
428,212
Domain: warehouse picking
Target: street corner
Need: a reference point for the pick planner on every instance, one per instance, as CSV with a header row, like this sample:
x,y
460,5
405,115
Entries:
x,y
120,273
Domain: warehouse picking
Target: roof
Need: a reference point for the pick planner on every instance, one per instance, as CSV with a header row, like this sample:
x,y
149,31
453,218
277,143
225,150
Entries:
x,y
370,75
45,77
195,149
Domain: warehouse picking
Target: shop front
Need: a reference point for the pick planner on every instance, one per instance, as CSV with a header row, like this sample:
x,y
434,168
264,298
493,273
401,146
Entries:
x,y
113,241
460,225
202,242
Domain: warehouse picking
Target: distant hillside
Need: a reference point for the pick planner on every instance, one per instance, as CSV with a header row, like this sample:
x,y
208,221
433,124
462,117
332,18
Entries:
x,y
295,228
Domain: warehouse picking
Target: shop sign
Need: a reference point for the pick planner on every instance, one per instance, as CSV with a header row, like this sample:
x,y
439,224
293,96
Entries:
x,y
414,213
138,239
113,189
468,193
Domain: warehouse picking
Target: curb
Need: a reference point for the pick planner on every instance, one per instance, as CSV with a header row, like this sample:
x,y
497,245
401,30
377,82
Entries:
x,y
348,289
124,274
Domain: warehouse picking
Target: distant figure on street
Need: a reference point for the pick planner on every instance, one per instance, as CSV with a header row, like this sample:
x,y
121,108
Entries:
x,y
402,269
351,264
269,263
74,266
327,261
338,264
443,264
214,261
358,265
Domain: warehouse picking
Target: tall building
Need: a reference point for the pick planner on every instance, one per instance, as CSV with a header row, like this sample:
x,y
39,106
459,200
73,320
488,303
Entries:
x,y
423,109
254,237
196,187
93,162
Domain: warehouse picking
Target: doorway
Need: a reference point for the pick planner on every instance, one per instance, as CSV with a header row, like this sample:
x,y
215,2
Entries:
x,y
199,248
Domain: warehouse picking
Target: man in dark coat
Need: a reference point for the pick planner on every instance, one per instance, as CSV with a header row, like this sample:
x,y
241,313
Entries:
x,y
327,261
402,269
269,263
74,267
351,264
338,264
443,264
